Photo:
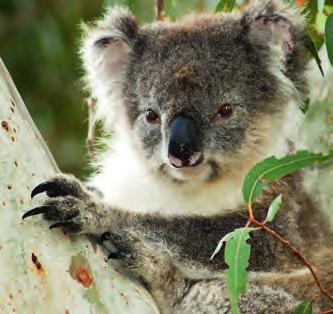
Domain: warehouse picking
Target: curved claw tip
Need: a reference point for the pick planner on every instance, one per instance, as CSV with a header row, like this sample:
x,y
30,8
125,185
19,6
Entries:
x,y
114,255
37,211
42,188
105,237
61,224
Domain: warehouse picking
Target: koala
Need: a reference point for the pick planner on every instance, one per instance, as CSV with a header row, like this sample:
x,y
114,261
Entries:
x,y
192,105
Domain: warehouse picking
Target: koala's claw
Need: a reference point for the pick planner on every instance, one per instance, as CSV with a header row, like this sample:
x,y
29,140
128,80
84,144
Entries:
x,y
47,187
68,225
60,185
71,206
114,255
127,259
39,210
106,236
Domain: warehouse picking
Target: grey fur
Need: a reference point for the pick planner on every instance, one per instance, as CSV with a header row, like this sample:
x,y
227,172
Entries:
x,y
254,61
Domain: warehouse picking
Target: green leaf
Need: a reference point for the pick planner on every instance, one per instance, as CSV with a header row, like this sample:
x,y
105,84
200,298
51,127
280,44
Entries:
x,y
310,10
329,37
274,208
219,245
309,44
304,308
237,254
272,169
328,9
225,5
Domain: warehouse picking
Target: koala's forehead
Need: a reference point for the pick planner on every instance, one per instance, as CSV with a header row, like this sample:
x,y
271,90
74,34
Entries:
x,y
206,58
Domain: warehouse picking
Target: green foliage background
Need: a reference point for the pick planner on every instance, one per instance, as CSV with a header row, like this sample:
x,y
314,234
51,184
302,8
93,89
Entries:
x,y
39,40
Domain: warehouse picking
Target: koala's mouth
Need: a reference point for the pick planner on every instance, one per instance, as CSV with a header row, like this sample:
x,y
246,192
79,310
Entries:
x,y
205,170
193,160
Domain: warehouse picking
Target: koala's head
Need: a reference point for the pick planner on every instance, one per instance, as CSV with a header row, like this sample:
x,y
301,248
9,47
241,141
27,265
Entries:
x,y
201,97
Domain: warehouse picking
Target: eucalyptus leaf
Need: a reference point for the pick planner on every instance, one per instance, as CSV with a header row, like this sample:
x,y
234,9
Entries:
x,y
219,245
274,208
309,44
272,169
329,37
225,5
310,10
237,254
304,308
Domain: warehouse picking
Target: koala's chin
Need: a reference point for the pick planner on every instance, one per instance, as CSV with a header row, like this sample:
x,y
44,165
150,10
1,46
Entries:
x,y
199,173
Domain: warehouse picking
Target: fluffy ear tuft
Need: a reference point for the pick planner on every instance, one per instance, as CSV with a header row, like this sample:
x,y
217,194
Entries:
x,y
107,44
106,51
275,24
278,34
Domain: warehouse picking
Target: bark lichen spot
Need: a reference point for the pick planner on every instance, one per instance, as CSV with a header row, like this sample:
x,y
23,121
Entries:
x,y
36,262
83,276
5,126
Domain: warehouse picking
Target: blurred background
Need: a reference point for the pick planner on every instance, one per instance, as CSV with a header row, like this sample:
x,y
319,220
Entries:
x,y
39,41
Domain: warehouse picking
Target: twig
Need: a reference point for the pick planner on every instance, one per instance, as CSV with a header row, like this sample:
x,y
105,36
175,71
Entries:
x,y
319,294
159,10
327,312
293,249
298,255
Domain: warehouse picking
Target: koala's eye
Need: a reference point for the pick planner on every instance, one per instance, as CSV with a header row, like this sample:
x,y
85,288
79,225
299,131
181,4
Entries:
x,y
151,116
224,112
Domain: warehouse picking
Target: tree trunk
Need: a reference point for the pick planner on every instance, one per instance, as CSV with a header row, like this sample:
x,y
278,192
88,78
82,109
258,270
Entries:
x,y
44,271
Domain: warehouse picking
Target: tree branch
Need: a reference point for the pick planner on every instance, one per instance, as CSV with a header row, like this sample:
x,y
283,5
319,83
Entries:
x,y
159,10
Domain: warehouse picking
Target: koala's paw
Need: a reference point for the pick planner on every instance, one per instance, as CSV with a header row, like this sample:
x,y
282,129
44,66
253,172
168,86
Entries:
x,y
70,204
124,250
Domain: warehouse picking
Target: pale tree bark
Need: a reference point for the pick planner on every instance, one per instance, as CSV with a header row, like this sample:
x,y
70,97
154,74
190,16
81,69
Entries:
x,y
44,271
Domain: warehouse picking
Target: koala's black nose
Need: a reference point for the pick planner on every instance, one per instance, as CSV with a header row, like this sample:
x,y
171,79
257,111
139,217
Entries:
x,y
183,143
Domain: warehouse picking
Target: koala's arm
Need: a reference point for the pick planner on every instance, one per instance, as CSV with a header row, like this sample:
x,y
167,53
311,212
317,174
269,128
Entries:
x,y
188,240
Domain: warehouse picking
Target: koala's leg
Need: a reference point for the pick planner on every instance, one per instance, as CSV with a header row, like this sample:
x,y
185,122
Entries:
x,y
300,282
152,266
211,297
175,294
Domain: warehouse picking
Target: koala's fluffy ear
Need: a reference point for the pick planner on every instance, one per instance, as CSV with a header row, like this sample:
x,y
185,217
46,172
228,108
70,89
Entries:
x,y
106,45
106,51
278,34
275,25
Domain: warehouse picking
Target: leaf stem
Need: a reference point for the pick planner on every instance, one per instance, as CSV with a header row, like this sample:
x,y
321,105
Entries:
x,y
327,312
250,211
294,250
319,294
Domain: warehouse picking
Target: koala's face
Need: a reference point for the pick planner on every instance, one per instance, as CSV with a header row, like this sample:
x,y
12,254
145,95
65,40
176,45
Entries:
x,y
203,96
